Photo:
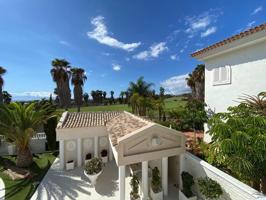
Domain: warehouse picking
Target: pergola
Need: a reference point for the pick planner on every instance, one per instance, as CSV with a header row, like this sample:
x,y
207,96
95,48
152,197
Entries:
x,y
131,140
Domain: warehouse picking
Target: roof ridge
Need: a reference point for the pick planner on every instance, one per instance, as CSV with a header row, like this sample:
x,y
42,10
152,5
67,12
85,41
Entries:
x,y
231,39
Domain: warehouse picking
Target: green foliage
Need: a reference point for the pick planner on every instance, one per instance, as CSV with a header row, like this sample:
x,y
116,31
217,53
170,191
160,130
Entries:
x,y
239,141
49,129
94,166
134,183
156,184
209,188
188,182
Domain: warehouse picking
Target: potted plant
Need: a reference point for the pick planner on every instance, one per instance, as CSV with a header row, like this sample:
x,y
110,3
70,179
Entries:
x,y
104,155
134,183
186,193
156,185
88,157
70,165
209,188
93,169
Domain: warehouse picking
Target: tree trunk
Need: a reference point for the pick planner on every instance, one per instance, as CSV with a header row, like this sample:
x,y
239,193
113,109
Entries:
x,y
263,185
24,158
1,94
256,184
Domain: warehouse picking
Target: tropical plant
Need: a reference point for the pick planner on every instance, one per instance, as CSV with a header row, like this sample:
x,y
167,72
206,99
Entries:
x,y
162,90
209,188
19,122
78,79
94,166
239,142
134,183
86,98
188,182
141,87
50,132
7,98
61,74
2,72
256,103
112,97
156,184
196,81
160,106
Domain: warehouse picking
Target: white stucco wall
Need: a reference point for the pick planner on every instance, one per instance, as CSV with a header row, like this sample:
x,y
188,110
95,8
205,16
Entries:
x,y
248,69
233,189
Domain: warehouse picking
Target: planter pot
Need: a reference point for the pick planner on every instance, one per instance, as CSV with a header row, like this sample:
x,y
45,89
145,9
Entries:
x,y
156,196
183,197
92,178
11,149
105,159
70,165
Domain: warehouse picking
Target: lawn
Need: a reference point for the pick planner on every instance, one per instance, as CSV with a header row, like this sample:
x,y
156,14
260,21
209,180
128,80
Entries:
x,y
24,189
170,103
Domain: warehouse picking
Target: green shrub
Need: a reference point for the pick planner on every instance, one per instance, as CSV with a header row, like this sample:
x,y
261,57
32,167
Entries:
x,y
134,182
156,184
94,166
210,188
188,182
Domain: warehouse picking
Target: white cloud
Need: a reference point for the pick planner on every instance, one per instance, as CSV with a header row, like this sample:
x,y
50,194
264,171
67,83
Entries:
x,y
176,85
65,43
154,51
100,33
250,24
174,57
182,50
209,31
200,23
116,67
34,95
258,9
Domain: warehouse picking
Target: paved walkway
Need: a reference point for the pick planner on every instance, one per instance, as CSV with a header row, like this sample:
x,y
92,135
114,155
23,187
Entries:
x,y
71,185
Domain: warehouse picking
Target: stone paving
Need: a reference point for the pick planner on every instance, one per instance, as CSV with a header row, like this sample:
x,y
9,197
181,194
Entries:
x,y
70,185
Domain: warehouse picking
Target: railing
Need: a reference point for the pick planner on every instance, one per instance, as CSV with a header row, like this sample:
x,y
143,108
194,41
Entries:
x,y
38,136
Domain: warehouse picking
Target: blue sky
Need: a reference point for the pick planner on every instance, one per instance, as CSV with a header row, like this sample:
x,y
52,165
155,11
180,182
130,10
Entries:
x,y
114,41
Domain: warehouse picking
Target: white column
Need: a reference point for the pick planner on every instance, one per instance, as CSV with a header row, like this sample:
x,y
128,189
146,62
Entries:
x,y
122,186
165,175
62,154
79,152
110,151
145,180
96,142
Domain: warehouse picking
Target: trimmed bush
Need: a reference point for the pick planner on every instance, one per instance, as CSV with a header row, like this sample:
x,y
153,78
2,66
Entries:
x,y
210,188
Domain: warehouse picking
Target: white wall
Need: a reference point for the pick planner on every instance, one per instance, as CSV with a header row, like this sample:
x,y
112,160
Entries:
x,y
233,189
248,69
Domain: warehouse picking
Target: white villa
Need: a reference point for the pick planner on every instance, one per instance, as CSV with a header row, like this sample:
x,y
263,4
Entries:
x,y
129,140
234,67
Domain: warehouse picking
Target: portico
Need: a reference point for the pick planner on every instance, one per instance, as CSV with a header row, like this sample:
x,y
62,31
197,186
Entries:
x,y
131,141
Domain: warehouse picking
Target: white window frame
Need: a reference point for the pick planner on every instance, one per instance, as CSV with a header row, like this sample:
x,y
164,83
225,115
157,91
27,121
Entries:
x,y
220,81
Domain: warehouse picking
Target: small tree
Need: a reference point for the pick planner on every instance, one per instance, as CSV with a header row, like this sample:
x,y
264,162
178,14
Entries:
x,y
188,182
210,188
134,182
156,184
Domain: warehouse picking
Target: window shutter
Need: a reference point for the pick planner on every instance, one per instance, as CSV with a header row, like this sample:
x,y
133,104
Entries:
x,y
216,75
222,75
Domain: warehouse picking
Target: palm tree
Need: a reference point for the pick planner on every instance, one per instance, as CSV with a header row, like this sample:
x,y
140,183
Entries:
x,y
162,91
2,72
7,97
78,80
61,75
19,122
141,87
196,82
86,98
112,96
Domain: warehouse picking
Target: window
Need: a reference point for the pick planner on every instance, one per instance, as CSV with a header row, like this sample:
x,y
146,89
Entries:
x,y
222,75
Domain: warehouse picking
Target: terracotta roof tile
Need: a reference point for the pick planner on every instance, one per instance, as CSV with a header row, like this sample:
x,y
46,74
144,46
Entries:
x,y
231,39
124,124
87,119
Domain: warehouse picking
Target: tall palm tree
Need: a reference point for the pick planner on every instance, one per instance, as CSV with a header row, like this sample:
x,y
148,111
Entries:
x,y
19,122
2,72
78,79
141,87
61,74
